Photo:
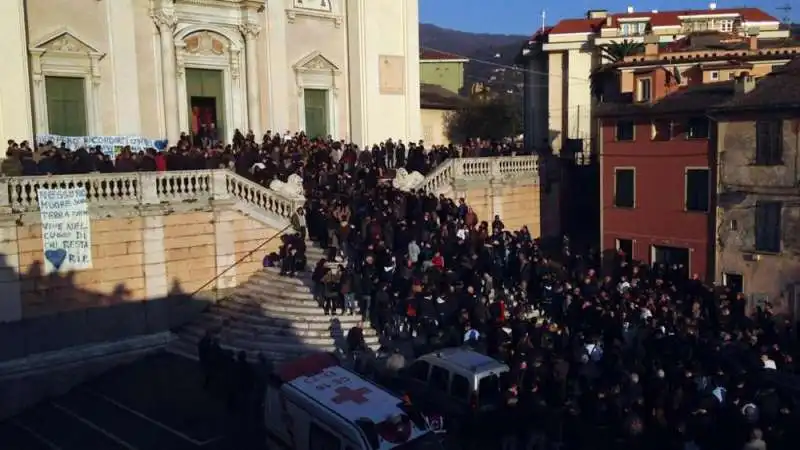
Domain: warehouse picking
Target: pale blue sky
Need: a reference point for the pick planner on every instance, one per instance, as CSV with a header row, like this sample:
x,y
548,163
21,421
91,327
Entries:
x,y
524,16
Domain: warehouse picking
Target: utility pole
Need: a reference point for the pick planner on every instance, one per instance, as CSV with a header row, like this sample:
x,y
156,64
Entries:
x,y
786,9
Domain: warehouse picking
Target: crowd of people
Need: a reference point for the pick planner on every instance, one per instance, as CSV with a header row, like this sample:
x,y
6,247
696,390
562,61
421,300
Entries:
x,y
606,353
603,355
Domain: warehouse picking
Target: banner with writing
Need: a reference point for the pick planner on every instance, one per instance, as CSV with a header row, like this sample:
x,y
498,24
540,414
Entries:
x,y
110,145
66,229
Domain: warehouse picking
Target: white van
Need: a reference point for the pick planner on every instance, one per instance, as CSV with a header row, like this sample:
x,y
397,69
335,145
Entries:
x,y
315,404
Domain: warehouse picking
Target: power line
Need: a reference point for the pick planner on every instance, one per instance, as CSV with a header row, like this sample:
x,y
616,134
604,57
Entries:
x,y
506,66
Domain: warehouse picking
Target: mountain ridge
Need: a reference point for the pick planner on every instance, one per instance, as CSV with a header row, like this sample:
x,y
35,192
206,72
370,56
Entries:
x,y
490,54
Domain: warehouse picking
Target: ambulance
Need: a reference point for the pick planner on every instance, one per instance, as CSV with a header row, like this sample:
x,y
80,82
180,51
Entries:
x,y
316,404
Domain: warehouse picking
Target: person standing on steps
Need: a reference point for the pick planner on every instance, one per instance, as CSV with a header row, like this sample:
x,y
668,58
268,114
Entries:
x,y
299,222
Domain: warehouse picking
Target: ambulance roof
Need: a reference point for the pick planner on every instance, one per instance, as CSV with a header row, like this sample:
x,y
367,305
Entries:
x,y
340,390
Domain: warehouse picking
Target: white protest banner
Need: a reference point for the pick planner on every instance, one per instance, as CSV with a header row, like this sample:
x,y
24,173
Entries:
x,y
66,229
109,145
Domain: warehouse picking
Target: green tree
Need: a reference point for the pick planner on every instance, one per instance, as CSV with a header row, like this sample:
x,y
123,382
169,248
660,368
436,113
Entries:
x,y
485,117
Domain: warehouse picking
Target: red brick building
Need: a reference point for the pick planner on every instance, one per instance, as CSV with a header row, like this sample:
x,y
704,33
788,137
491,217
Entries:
x,y
658,149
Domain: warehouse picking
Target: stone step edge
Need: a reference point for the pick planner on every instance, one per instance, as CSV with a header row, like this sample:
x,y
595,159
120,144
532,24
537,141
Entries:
x,y
198,330
213,320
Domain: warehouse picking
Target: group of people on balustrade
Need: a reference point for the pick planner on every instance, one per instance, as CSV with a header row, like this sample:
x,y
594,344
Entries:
x,y
244,153
606,353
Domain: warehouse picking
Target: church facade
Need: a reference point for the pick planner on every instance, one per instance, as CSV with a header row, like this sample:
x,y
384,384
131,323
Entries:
x,y
156,68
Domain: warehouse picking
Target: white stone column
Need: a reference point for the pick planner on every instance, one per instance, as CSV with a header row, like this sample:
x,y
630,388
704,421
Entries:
x,y
251,32
15,106
166,25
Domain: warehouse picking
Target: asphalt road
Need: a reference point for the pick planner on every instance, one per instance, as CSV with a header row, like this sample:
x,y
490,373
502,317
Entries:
x,y
157,403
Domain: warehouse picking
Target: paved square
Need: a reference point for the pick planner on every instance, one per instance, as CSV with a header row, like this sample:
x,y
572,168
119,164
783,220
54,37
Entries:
x,y
157,403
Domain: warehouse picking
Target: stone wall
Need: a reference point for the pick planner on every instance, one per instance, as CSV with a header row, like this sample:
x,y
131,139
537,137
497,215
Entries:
x,y
517,204
505,186
150,272
163,246
139,258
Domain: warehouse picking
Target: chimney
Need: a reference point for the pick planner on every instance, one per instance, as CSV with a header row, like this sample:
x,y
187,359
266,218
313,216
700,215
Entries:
x,y
744,84
609,21
630,9
753,40
651,45
596,14
712,6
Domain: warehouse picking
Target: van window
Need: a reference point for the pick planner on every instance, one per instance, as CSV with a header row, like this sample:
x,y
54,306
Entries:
x,y
439,378
321,439
490,389
419,370
459,387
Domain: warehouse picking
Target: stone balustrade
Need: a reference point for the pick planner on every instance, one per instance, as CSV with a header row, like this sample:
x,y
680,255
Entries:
x,y
18,195
498,169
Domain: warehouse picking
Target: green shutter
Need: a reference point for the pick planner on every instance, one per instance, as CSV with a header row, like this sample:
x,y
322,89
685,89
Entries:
x,y
316,107
66,106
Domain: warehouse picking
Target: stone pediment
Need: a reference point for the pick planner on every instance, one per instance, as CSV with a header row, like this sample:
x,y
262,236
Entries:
x,y
65,41
315,62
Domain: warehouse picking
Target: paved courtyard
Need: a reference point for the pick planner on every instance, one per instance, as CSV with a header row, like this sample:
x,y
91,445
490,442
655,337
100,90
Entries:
x,y
157,403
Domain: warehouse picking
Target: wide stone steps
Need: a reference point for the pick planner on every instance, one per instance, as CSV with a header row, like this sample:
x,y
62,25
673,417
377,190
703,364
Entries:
x,y
275,316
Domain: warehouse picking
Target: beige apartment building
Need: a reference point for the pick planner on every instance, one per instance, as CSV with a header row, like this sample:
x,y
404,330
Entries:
x,y
561,59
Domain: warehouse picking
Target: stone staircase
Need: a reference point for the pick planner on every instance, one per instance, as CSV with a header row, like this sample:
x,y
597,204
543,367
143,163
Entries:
x,y
273,315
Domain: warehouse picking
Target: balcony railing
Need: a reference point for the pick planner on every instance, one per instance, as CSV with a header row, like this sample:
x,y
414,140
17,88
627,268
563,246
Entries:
x,y
498,169
19,194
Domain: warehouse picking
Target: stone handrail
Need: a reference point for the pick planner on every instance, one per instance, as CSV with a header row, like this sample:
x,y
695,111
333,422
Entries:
x,y
499,168
18,195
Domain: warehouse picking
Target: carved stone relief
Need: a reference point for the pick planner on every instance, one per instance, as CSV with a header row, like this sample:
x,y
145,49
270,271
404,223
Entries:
x,y
206,43
66,43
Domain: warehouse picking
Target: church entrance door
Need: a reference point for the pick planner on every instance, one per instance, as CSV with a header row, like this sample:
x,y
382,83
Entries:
x,y
316,112
204,91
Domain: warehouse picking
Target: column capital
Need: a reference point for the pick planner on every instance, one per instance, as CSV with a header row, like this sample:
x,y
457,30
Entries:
x,y
165,21
250,30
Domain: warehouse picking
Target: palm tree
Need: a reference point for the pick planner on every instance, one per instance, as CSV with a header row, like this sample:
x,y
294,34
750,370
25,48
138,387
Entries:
x,y
610,54
617,51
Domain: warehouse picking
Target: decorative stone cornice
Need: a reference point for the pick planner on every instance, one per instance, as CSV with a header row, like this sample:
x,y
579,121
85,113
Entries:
x,y
164,20
250,30
292,13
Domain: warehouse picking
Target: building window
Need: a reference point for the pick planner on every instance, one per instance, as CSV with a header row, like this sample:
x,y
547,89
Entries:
x,y
714,75
645,90
662,130
624,188
734,282
66,106
633,29
768,226
698,187
697,128
769,143
625,130
723,25
626,247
